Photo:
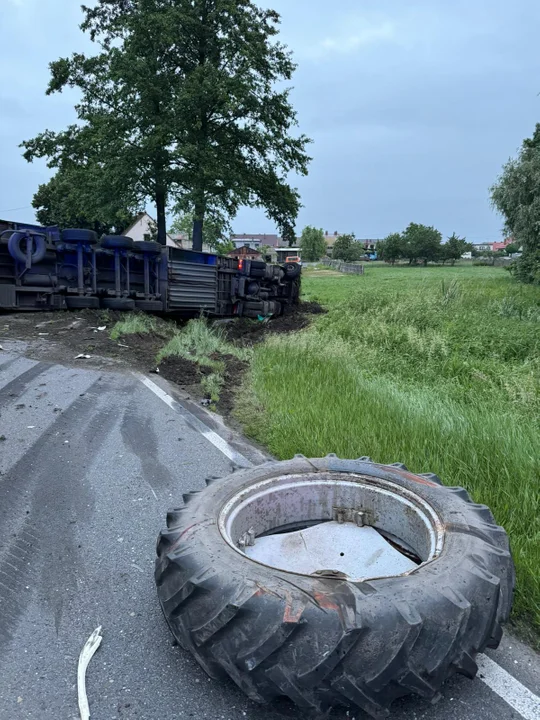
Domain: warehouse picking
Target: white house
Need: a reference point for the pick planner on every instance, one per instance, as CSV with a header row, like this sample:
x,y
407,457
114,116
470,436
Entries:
x,y
144,228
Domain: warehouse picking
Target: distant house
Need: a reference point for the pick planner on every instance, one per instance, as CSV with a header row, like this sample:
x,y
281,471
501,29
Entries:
x,y
502,245
370,245
330,238
256,241
483,247
144,228
245,252
282,255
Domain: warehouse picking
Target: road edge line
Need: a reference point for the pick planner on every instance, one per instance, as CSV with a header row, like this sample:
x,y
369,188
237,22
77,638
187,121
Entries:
x,y
217,441
509,688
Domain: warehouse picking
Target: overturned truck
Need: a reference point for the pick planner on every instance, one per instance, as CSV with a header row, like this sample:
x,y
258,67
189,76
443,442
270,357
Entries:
x,y
45,269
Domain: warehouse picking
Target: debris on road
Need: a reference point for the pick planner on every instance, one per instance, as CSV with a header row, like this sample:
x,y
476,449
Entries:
x,y
87,653
82,356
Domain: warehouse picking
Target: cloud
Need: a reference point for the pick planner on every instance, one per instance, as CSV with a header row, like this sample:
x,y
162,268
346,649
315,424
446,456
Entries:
x,y
367,34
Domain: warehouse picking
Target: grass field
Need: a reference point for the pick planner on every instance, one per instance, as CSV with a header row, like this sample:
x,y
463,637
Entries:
x,y
438,368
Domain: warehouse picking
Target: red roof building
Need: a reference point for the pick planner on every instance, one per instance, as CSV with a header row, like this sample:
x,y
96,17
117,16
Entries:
x,y
502,245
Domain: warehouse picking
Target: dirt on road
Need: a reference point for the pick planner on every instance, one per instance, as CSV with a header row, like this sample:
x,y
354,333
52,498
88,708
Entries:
x,y
61,337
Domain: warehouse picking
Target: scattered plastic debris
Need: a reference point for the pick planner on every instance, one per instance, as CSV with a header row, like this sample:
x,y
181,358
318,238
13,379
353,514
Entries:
x,y
87,653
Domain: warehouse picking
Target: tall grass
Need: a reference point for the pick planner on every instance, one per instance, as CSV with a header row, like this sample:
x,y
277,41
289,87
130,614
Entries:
x,y
428,367
133,324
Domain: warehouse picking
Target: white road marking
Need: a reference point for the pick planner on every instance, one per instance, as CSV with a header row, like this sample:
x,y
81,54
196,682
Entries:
x,y
520,698
514,693
216,440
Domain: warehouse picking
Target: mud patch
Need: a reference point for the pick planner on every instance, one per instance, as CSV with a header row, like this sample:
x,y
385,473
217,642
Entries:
x,y
246,332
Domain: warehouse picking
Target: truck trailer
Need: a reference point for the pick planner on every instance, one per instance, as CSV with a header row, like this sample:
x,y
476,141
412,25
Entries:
x,y
49,269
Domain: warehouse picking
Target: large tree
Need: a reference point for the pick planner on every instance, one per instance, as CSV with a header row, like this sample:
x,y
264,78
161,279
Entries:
x,y
73,198
516,195
312,244
422,242
184,101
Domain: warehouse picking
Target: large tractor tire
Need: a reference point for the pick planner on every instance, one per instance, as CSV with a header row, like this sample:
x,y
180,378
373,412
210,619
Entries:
x,y
239,592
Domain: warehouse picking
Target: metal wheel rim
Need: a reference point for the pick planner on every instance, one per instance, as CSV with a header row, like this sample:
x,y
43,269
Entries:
x,y
280,501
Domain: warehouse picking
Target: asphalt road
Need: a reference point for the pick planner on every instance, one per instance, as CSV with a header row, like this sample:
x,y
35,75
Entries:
x,y
90,461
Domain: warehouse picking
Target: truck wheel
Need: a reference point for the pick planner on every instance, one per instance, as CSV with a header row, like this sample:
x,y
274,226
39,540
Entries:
x,y
260,576
117,242
76,236
292,270
118,304
148,247
16,251
79,302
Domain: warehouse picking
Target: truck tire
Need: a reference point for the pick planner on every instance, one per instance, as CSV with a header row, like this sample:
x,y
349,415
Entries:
x,y
16,251
292,270
327,639
75,236
82,301
117,304
117,242
148,247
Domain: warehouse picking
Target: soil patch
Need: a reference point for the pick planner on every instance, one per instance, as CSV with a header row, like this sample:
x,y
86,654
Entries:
x,y
59,337
246,332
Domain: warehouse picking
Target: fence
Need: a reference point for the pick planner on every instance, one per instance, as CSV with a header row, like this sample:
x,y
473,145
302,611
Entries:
x,y
343,267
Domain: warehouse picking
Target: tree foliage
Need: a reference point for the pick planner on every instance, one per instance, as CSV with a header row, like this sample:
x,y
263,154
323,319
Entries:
x,y
516,195
422,243
72,198
348,248
216,230
312,244
454,248
392,248
184,101
511,248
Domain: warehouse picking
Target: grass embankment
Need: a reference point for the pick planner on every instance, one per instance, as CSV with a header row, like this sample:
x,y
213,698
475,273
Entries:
x,y
437,368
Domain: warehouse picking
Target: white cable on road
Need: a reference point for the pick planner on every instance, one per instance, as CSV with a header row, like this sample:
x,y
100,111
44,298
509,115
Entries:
x,y
216,440
519,697
87,653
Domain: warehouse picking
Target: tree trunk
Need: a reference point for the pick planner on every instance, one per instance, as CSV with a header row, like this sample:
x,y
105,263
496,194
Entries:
x,y
161,219
198,223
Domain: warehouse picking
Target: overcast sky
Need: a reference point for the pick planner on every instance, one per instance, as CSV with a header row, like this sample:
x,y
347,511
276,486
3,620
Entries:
x,y
413,106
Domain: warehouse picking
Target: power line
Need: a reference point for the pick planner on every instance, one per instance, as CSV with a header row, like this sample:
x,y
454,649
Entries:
x,y
26,207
